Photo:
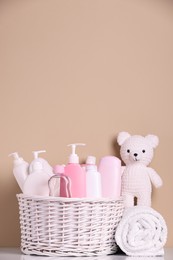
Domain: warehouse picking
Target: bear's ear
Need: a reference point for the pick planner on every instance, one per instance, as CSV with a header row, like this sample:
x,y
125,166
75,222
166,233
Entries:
x,y
153,139
122,136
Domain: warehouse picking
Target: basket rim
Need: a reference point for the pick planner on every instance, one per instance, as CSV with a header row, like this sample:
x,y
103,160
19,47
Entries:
x,y
63,199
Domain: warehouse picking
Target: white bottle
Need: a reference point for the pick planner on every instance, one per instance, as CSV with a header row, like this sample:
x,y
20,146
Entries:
x,y
93,179
20,169
40,173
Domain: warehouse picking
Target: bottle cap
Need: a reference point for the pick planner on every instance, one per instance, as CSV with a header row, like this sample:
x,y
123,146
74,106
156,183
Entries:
x,y
74,158
91,160
58,169
91,167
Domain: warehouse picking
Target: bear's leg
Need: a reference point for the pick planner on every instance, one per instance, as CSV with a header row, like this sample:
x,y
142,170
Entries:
x,y
144,200
128,200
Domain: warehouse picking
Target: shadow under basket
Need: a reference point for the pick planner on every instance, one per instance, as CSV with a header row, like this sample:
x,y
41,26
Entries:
x,y
55,226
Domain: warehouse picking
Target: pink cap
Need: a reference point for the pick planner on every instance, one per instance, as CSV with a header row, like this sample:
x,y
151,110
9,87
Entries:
x,y
58,169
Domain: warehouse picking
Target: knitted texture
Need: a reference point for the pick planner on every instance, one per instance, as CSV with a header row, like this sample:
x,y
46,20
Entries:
x,y
141,232
137,178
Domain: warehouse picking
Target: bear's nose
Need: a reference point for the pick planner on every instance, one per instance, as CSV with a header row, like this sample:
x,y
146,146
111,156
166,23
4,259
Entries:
x,y
135,154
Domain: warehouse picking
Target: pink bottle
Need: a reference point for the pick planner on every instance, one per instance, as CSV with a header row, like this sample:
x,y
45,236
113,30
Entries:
x,y
110,170
76,174
59,169
59,184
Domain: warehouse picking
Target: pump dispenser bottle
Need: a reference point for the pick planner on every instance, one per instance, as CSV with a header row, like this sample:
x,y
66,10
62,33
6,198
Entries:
x,y
93,179
46,165
76,174
20,169
39,174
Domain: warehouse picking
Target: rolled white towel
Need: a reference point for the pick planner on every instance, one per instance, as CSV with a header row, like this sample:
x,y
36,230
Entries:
x,y
141,232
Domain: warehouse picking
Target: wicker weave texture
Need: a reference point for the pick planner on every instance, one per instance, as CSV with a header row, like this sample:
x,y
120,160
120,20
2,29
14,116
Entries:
x,y
68,227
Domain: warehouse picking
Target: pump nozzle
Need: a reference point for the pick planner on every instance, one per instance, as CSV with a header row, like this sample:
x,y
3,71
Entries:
x,y
36,153
17,158
74,157
15,155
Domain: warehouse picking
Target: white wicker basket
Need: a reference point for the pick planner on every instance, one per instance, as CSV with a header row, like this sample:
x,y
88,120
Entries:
x,y
68,227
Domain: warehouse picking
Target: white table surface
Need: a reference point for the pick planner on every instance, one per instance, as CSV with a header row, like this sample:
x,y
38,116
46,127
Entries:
x,y
15,254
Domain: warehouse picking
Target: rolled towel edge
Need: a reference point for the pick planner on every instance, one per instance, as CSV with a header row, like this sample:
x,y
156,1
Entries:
x,y
132,251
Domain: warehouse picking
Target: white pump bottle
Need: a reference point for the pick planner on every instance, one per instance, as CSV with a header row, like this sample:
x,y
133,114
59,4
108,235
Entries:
x,y
40,173
46,166
20,169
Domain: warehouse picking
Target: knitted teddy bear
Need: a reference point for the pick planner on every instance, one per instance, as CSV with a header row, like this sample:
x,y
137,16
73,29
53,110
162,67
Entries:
x,y
137,152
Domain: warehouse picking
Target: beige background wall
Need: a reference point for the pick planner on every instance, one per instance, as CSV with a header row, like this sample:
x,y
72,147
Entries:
x,y
81,71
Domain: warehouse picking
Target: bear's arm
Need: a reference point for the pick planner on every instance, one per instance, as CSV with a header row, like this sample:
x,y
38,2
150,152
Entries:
x,y
155,178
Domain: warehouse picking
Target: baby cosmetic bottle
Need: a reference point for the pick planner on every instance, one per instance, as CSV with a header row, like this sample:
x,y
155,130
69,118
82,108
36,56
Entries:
x,y
110,170
39,174
59,184
20,169
93,179
55,183
47,167
76,174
